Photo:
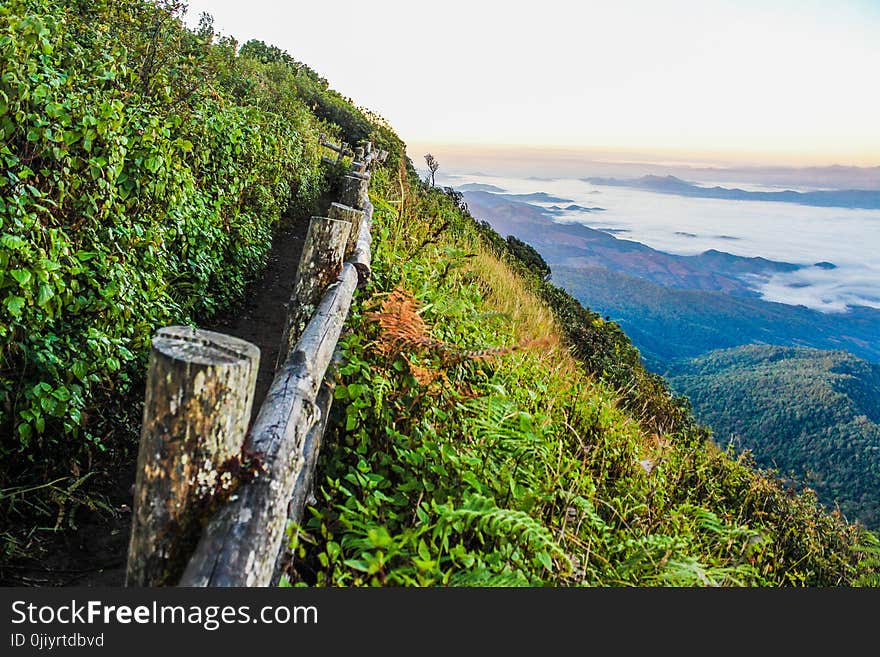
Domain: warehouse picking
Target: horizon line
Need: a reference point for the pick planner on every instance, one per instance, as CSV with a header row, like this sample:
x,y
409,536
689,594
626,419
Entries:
x,y
710,157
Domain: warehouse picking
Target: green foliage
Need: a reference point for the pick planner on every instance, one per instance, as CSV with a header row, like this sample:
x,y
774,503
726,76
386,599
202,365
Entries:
x,y
341,116
814,415
139,189
528,256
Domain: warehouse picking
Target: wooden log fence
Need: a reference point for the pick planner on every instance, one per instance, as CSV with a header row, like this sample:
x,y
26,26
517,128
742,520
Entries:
x,y
212,498
362,155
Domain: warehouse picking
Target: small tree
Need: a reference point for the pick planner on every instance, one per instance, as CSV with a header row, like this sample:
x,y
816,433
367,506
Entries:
x,y
433,165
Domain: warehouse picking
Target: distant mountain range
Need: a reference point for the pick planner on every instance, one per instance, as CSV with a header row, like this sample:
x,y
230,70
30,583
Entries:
x,y
848,198
675,306
574,245
480,187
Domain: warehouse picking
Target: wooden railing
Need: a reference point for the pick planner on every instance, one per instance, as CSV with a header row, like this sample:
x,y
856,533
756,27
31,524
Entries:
x,y
212,497
361,154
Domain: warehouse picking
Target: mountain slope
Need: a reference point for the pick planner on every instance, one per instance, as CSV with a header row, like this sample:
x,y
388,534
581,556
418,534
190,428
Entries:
x,y
667,324
490,431
486,428
812,413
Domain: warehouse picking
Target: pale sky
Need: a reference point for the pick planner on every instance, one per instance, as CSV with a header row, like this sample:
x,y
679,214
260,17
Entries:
x,y
787,81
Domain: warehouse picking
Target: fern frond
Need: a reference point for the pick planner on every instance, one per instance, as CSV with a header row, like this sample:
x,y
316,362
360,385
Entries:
x,y
482,516
486,578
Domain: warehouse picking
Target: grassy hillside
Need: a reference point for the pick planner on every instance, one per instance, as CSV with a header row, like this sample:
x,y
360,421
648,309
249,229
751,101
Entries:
x,y
814,414
474,446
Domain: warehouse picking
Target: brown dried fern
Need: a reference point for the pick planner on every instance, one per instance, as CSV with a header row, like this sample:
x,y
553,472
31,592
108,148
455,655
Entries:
x,y
402,330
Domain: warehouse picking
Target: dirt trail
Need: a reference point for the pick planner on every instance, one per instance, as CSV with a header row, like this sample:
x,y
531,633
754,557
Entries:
x,y
261,319
94,553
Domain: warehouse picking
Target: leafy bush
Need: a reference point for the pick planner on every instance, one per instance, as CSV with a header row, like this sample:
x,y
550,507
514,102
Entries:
x,y
137,191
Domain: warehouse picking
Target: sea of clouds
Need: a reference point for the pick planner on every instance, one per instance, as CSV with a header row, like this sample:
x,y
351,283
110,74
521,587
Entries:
x,y
786,232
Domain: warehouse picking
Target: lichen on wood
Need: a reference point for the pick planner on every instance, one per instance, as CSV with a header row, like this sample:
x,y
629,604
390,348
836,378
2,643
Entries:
x,y
199,393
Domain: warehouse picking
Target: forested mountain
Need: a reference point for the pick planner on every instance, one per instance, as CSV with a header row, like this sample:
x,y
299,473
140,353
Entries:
x,y
810,413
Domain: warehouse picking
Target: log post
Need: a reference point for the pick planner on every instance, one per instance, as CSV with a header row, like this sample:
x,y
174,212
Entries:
x,y
200,389
354,190
319,265
346,213
361,256
304,488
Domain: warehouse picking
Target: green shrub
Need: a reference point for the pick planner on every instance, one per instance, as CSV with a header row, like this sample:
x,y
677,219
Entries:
x,y
137,191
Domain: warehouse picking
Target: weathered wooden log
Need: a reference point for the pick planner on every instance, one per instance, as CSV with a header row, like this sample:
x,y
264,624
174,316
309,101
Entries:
x,y
361,256
322,256
354,190
199,393
353,216
304,488
240,545
359,153
340,152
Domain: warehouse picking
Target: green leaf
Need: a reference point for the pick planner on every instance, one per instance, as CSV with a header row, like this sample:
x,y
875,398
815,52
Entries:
x,y
357,564
14,305
24,432
12,242
47,404
545,560
79,370
46,292
355,390
23,276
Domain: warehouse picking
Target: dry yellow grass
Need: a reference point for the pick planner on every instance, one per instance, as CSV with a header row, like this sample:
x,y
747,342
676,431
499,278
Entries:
x,y
532,320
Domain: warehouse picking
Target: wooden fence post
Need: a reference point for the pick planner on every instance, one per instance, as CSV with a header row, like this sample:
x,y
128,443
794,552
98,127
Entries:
x,y
200,389
361,255
304,487
346,213
354,190
319,265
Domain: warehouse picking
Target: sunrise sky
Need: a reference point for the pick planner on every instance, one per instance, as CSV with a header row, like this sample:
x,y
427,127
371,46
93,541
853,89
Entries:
x,y
785,81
